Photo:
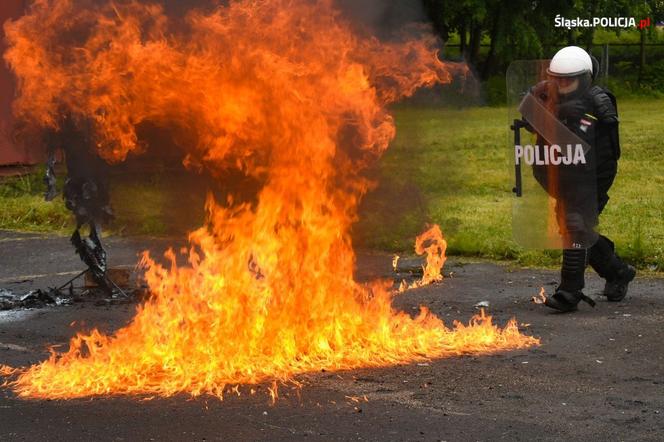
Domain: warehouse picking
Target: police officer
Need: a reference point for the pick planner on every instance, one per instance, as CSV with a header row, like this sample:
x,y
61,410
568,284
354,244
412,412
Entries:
x,y
590,111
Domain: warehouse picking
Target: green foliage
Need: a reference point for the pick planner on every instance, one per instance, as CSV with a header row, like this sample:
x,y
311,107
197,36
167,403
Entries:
x,y
148,205
626,82
628,36
495,91
24,208
525,29
653,76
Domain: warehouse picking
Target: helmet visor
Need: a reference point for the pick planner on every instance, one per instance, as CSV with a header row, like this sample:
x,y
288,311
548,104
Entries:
x,y
559,75
566,85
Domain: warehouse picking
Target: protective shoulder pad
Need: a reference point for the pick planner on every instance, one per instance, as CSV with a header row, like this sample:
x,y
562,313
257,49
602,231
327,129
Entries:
x,y
604,103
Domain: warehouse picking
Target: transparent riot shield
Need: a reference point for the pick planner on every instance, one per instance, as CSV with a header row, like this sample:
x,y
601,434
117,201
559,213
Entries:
x,y
552,161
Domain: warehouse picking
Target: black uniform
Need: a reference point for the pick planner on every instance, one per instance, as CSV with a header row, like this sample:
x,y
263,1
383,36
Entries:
x,y
593,110
602,255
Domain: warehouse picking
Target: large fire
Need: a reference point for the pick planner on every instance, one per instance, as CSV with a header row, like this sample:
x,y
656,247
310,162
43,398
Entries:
x,y
290,93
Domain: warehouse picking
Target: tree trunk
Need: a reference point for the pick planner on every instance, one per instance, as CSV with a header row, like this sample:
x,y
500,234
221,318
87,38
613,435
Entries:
x,y
571,38
591,32
475,40
462,41
642,55
589,40
495,29
436,12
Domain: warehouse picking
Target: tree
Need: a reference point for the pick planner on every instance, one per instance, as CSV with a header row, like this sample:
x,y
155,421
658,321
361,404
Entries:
x,y
525,28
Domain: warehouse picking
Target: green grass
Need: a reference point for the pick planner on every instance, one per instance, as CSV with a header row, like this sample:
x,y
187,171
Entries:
x,y
451,167
148,205
446,166
138,209
22,206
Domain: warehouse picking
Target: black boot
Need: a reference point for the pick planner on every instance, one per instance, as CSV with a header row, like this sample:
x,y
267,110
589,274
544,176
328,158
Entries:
x,y
609,266
564,301
569,293
567,301
616,290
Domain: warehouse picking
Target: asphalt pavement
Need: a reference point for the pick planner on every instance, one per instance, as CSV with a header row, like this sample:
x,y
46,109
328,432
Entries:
x,y
598,374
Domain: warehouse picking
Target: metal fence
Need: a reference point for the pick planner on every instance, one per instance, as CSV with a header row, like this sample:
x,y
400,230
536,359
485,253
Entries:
x,y
616,59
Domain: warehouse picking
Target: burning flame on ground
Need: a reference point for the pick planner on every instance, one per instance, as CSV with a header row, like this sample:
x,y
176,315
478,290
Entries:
x,y
541,297
434,245
287,92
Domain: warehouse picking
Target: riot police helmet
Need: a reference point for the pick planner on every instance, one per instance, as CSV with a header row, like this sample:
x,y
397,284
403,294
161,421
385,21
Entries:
x,y
571,69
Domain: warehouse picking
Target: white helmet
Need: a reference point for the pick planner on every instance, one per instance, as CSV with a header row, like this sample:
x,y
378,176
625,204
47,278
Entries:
x,y
570,62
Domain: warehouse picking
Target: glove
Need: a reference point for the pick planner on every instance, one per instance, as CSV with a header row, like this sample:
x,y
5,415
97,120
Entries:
x,y
571,110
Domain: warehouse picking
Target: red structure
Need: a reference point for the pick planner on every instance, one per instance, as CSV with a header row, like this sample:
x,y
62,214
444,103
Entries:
x,y
11,154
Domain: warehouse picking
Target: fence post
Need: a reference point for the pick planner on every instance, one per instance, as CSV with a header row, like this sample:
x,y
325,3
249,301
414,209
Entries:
x,y
605,59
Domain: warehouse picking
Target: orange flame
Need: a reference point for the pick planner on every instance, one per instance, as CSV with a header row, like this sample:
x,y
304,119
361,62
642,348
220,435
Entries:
x,y
287,92
540,298
434,245
6,371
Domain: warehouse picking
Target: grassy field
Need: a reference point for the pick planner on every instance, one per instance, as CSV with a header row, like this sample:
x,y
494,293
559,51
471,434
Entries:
x,y
448,167
451,167
153,205
22,206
